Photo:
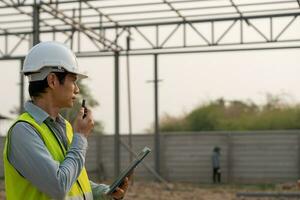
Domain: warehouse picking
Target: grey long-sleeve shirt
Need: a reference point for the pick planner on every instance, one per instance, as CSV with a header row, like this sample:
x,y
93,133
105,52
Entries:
x,y
31,158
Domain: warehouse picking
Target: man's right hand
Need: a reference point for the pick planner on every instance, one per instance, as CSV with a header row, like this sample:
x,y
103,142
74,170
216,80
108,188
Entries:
x,y
85,125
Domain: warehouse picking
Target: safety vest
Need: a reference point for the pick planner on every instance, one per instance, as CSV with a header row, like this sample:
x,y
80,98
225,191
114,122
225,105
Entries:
x,y
19,188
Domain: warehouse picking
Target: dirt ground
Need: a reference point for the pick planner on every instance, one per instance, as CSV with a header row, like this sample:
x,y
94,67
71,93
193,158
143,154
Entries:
x,y
181,191
155,191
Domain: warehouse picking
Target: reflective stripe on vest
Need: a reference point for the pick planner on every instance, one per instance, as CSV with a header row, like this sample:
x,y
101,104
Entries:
x,y
17,187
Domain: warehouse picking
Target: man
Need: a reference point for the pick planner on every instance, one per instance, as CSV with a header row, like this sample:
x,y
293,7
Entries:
x,y
44,155
216,165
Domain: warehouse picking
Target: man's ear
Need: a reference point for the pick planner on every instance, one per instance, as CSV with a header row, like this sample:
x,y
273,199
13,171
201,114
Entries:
x,y
52,80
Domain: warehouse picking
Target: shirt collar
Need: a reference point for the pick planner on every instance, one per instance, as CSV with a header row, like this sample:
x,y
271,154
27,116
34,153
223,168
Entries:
x,y
38,114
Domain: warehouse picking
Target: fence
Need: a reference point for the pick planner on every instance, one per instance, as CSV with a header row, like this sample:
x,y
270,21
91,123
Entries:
x,y
246,157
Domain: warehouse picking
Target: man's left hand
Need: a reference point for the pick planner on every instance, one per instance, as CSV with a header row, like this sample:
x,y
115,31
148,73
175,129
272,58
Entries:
x,y
120,191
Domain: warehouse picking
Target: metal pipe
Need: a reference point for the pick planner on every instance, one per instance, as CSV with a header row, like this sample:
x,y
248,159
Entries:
x,y
129,96
117,116
153,52
36,23
156,126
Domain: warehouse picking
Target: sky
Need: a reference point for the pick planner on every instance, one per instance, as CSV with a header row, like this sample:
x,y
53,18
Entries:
x,y
188,80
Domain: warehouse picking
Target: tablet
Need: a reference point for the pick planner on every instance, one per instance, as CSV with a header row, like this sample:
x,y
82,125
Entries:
x,y
128,170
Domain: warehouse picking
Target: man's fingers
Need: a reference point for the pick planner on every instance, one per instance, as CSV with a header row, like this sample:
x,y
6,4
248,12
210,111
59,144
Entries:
x,y
89,113
126,181
119,193
119,190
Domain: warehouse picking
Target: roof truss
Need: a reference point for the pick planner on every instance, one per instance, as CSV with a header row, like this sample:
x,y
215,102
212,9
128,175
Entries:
x,y
102,27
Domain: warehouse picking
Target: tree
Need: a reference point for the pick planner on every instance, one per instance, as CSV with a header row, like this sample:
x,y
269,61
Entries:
x,y
236,115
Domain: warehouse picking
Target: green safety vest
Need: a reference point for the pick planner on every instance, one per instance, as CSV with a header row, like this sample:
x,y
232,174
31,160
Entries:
x,y
17,187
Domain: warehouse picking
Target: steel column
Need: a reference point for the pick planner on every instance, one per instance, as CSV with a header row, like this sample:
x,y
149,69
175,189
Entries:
x,y
117,116
129,97
36,23
156,126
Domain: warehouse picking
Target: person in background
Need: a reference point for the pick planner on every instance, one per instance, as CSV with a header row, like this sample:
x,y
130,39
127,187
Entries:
x,y
44,154
216,165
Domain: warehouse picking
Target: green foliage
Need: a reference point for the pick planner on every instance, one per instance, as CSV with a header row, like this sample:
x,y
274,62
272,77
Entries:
x,y
172,123
236,115
70,114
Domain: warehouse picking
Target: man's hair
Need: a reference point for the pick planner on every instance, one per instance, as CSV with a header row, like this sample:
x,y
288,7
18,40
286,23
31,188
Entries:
x,y
36,88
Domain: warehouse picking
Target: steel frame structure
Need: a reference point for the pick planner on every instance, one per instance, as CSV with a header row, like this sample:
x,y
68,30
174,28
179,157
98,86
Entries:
x,y
94,28
155,27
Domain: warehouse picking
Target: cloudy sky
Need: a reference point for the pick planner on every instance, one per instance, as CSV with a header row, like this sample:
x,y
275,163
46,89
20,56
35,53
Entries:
x,y
188,80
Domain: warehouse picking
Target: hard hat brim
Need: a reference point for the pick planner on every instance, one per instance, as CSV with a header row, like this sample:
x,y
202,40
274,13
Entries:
x,y
81,76
43,73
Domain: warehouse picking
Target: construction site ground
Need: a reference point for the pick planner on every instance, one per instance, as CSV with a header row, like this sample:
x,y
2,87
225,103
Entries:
x,y
181,191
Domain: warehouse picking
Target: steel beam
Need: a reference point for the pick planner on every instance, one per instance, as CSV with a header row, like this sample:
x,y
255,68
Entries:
x,y
90,33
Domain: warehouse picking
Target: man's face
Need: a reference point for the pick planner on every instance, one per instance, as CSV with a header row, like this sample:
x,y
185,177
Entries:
x,y
65,93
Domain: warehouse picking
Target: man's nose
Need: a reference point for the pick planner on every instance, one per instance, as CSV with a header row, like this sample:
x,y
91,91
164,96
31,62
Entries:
x,y
77,90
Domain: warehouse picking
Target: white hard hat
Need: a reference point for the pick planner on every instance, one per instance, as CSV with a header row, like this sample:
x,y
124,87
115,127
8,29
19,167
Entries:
x,y
47,57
